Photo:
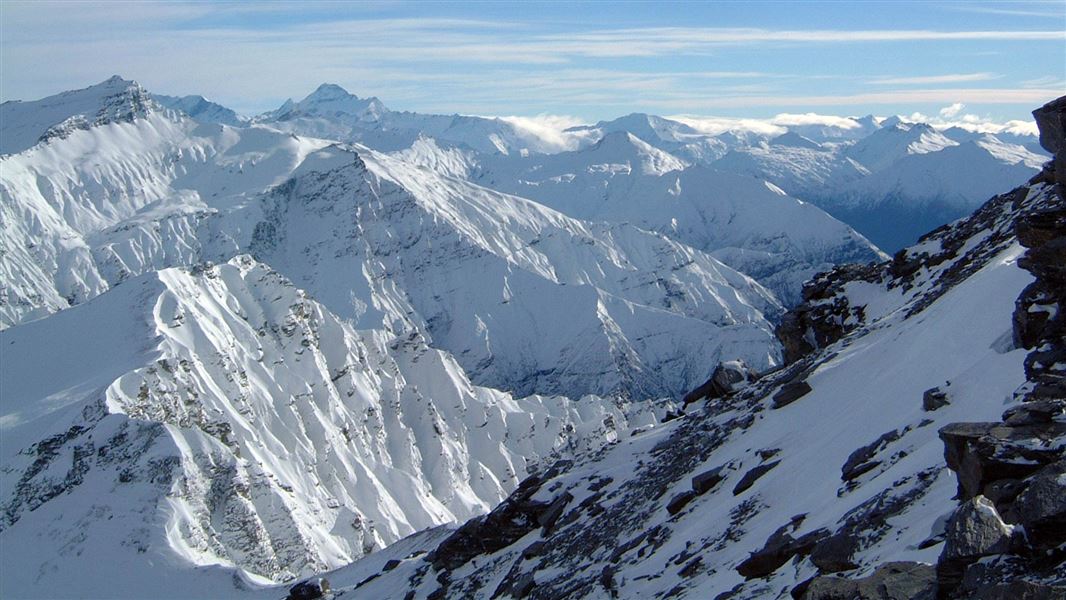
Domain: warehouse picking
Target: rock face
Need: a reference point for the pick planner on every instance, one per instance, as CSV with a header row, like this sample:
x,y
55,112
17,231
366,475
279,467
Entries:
x,y
1051,120
1012,475
727,378
779,549
825,315
511,520
892,581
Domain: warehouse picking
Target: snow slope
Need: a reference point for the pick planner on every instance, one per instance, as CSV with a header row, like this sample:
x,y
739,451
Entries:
x,y
856,459
526,298
746,223
201,109
233,421
330,112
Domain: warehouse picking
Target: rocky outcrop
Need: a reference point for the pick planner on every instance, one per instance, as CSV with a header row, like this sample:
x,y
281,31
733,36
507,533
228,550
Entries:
x,y
728,377
513,518
317,587
891,581
1008,538
1051,120
780,548
825,314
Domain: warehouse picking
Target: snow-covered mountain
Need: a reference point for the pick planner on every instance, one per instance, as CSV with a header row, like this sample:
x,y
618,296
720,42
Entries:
x,y
825,479
825,162
219,416
526,298
201,109
331,112
240,352
26,124
747,223
895,183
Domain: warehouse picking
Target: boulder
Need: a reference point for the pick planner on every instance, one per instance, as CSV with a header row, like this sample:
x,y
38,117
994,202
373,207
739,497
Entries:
x,y
708,480
1035,412
981,453
309,589
728,377
679,501
752,476
779,548
1051,120
934,398
976,530
790,392
835,553
891,581
1041,507
861,460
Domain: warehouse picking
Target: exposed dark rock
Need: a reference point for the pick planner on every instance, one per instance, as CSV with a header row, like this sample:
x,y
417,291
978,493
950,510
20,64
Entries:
x,y
1013,578
752,476
1035,412
790,392
891,581
1003,491
548,518
679,501
310,589
835,553
691,568
974,531
728,377
981,453
1051,120
534,550
779,548
1041,507
825,315
390,564
516,588
708,480
860,461
513,518
934,398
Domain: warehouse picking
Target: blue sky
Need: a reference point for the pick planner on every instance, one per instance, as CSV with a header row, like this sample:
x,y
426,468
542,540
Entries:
x,y
586,60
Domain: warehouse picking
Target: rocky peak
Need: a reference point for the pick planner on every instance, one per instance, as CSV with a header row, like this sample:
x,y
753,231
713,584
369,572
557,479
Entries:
x,y
1051,120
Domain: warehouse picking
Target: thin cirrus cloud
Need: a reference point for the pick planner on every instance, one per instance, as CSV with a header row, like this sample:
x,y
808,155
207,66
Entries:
x,y
936,79
486,62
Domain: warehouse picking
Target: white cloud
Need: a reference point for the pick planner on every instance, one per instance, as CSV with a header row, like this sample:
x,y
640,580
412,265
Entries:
x,y
548,129
787,119
950,111
720,125
936,79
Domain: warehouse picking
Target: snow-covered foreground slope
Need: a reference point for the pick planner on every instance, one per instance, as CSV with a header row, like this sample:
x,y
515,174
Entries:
x,y
830,464
221,417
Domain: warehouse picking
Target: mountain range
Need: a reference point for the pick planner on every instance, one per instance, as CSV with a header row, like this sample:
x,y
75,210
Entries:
x,y
238,351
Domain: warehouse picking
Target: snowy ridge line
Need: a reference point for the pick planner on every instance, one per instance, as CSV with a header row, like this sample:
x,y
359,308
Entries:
x,y
734,500
256,431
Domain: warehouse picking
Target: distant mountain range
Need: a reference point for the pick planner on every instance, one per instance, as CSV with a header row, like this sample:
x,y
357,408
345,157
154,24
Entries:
x,y
243,350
